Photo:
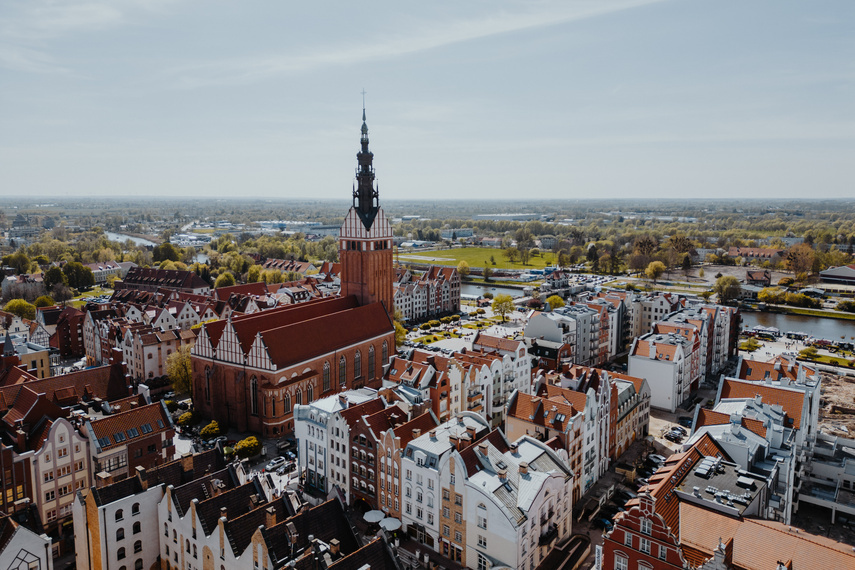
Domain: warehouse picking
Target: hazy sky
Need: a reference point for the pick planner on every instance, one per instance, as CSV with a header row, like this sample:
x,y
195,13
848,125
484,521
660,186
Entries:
x,y
465,99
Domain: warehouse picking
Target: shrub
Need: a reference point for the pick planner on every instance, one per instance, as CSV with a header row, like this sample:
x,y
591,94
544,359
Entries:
x,y
425,327
848,306
786,282
487,295
248,447
188,419
171,405
211,430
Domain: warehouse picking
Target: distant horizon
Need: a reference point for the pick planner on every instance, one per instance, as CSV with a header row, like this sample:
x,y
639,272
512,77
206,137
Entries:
x,y
618,99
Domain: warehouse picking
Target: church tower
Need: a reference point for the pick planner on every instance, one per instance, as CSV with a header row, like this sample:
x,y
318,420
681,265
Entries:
x,y
365,245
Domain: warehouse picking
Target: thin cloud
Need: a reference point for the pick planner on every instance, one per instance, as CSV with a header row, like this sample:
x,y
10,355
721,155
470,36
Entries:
x,y
255,68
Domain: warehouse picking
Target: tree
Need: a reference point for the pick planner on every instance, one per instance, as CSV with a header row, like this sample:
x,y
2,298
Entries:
x,y
555,302
253,275
686,264
534,303
165,252
848,306
79,276
463,269
800,258
727,288
180,370
224,280
211,430
53,276
487,273
654,270
43,301
511,254
188,419
701,272
503,304
19,261
248,447
786,282
61,293
21,308
400,334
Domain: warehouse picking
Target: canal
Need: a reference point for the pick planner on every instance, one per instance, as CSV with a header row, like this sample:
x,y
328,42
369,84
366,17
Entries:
x,y
830,329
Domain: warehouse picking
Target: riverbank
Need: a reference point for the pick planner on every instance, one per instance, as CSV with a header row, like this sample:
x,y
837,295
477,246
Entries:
x,y
787,310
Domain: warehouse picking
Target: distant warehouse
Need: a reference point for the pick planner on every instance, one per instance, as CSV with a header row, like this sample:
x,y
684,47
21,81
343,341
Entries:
x,y
843,275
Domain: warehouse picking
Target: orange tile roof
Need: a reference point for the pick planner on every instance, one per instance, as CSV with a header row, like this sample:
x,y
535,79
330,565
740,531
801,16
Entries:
x,y
761,544
791,400
713,418
755,370
536,410
558,394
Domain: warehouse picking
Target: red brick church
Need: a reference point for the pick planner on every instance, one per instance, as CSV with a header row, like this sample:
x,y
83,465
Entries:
x,y
251,370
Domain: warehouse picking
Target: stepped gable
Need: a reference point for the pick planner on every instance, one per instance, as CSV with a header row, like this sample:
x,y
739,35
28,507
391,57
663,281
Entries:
x,y
712,418
302,340
29,408
791,400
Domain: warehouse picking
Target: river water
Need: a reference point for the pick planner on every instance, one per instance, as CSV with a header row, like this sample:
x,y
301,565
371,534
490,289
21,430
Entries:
x,y
478,289
122,238
831,329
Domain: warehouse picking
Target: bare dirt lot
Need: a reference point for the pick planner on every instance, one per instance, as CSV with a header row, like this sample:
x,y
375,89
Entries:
x,y
837,405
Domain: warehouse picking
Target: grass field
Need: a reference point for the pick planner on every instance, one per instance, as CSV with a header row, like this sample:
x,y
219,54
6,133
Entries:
x,y
475,257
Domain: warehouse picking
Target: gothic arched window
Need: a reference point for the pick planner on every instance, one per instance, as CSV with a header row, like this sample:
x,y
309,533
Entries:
x,y
286,404
253,396
357,364
371,371
342,370
385,358
310,393
326,376
298,397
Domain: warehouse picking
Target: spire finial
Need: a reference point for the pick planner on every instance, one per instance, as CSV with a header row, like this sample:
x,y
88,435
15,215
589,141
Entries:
x,y
363,104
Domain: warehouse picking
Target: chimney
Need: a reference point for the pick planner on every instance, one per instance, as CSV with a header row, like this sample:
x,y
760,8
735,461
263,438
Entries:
x,y
224,513
433,434
270,517
513,447
140,471
503,474
482,447
335,547
21,438
523,468
758,399
416,432
134,405
471,431
454,441
342,399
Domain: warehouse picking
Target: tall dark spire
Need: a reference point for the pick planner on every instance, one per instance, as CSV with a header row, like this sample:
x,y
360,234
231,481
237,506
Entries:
x,y
366,199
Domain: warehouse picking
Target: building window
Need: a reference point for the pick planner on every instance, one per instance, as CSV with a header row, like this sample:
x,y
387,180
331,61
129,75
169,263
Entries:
x,y
385,358
644,545
627,539
663,552
120,534
298,397
120,554
482,541
286,404
120,514
137,528
138,565
357,365
621,562
342,370
326,376
253,395
310,393
646,526
135,510
371,371
138,546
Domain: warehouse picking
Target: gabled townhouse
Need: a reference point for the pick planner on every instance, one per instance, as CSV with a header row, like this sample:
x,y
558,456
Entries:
x,y
503,504
516,366
671,365
142,436
576,325
420,482
652,307
147,349
435,292
340,473
68,334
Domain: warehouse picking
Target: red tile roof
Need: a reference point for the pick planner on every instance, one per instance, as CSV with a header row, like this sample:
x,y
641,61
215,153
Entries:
x,y
791,400
146,420
538,411
713,418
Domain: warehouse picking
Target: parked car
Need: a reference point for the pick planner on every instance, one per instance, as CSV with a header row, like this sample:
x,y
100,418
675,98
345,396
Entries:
x,y
604,524
657,458
642,482
291,455
685,421
287,467
275,463
674,437
680,430
625,494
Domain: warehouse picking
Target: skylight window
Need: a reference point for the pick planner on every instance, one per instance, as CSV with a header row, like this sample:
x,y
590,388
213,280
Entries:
x,y
103,441
160,424
119,436
133,432
146,428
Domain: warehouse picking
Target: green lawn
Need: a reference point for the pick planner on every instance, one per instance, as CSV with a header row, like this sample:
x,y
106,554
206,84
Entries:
x,y
475,257
80,300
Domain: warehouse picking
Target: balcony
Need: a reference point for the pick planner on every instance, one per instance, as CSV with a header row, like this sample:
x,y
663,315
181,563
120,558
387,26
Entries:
x,y
474,396
549,535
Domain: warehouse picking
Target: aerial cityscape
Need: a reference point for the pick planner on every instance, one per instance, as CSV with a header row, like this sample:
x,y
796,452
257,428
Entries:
x,y
628,345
